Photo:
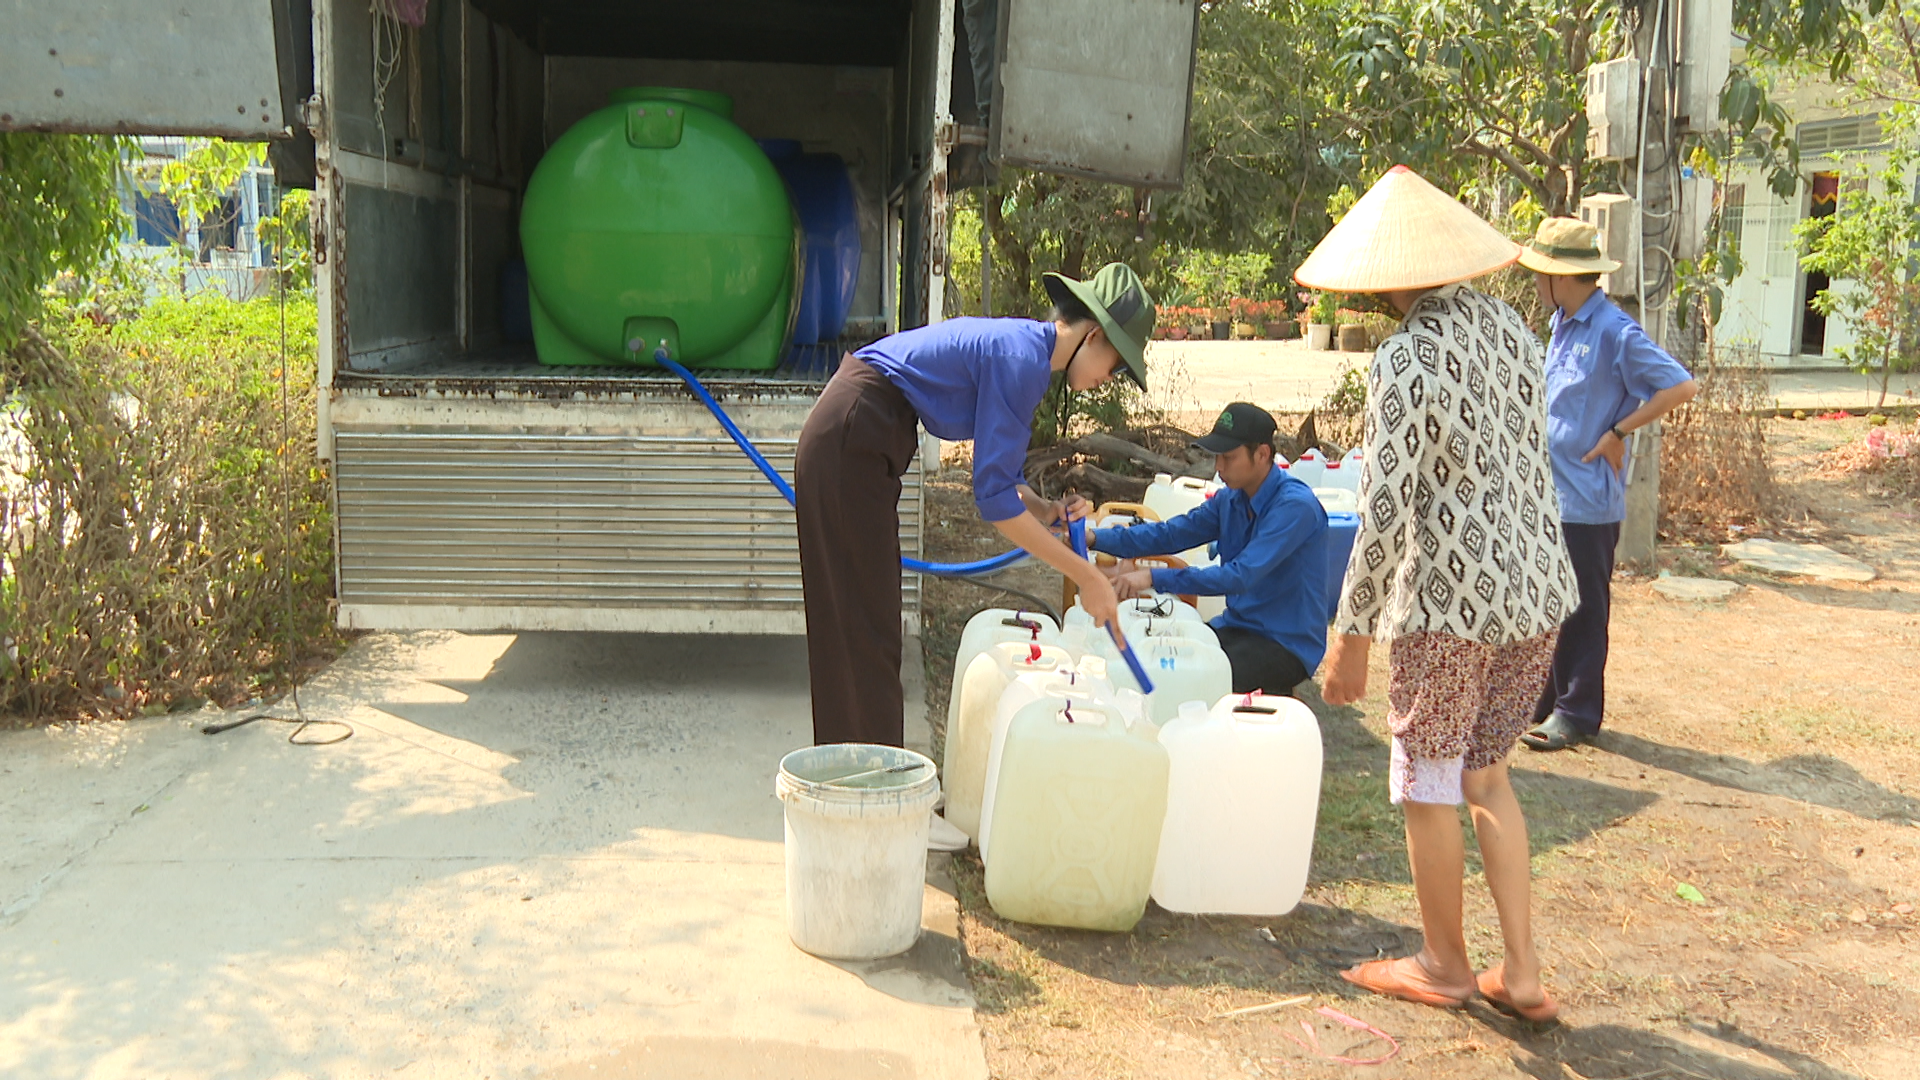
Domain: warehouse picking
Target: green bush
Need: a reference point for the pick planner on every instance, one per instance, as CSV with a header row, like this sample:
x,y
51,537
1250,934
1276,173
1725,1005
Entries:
x,y
144,543
1063,414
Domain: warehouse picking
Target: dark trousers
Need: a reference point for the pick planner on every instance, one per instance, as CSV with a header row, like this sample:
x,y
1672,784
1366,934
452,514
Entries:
x,y
1260,663
855,447
1578,686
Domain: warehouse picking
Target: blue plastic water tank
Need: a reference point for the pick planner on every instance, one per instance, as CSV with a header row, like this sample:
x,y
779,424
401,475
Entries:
x,y
516,307
1342,527
823,197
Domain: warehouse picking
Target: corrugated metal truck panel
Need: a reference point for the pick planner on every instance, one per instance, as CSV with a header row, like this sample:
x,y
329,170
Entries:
x,y
564,522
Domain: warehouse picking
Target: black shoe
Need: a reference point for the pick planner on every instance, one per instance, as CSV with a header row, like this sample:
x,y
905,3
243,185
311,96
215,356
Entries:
x,y
1556,732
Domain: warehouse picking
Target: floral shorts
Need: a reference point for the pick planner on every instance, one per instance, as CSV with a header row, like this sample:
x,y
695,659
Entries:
x,y
1455,705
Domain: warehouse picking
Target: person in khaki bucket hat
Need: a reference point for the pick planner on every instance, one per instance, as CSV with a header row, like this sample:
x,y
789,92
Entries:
x,y
1605,379
962,379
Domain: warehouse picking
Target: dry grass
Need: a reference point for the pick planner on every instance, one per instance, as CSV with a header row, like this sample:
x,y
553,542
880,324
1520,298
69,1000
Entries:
x,y
1889,456
144,548
1714,469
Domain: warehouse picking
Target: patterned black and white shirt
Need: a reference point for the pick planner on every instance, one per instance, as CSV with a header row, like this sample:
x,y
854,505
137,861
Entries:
x,y
1459,519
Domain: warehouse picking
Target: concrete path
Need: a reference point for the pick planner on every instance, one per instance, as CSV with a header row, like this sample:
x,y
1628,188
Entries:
x,y
553,856
1192,380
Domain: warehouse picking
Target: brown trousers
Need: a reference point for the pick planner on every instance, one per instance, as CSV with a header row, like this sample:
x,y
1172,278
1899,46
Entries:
x,y
855,447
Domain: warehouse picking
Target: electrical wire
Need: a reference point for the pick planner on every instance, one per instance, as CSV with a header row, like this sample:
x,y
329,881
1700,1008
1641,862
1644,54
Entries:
x,y
299,719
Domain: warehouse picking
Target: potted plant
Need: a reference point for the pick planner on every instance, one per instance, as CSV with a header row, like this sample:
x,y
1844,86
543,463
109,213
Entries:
x,y
1213,278
1244,314
1320,319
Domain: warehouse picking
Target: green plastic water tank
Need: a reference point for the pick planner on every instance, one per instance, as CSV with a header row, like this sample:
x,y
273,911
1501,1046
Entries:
x,y
656,220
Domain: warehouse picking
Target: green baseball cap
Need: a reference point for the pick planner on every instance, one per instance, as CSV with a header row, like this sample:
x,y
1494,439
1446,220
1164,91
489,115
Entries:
x,y
1122,306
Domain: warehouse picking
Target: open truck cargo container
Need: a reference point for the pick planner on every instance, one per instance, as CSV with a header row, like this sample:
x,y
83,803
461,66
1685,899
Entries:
x,y
474,488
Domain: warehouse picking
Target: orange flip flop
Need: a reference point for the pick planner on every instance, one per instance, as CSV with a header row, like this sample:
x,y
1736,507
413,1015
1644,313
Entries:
x,y
1406,979
1492,984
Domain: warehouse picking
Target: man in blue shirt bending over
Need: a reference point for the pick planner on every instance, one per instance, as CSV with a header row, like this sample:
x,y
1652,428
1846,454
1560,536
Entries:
x,y
1272,533
1605,378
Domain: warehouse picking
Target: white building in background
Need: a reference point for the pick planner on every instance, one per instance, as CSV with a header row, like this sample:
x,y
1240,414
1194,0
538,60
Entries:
x,y
1768,310
223,253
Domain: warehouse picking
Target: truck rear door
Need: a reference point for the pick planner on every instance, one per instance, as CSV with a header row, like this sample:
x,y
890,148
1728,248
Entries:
x,y
179,67
1095,88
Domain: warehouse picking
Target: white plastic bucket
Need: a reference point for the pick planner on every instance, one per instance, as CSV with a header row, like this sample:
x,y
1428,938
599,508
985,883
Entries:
x,y
856,847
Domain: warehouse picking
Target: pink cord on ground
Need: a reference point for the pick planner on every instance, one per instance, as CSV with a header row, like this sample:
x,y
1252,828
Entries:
x,y
1311,1044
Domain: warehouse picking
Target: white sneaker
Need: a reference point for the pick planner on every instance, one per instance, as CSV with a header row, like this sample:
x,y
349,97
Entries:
x,y
943,835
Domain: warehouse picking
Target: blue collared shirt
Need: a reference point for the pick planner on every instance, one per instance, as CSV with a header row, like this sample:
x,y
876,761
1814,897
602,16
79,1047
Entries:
x,y
979,379
1273,560
1601,366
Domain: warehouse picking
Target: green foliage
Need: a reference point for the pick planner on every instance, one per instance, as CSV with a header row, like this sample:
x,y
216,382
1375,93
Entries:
x,y
1449,87
1349,395
211,326
197,182
1213,279
1256,179
144,537
1326,308
1868,250
289,231
58,212
1064,413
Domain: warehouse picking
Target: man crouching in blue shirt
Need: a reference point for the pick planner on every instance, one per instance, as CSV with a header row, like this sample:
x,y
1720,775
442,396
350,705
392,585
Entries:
x,y
1272,533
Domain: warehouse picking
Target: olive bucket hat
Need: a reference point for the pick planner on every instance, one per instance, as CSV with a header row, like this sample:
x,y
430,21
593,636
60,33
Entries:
x,y
1566,246
1122,306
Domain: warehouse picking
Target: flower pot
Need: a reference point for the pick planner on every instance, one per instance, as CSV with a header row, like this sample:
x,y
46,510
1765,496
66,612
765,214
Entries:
x,y
1245,331
1176,333
1353,337
1319,336
1221,329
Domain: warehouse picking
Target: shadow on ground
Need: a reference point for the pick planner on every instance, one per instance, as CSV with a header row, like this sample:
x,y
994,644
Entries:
x,y
1819,779
1831,596
1360,836
1609,1050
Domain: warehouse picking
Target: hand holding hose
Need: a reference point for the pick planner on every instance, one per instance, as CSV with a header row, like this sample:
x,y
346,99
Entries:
x,y
1077,535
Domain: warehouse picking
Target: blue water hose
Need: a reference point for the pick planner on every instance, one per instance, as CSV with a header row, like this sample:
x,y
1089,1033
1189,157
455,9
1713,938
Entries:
x,y
962,570
1077,534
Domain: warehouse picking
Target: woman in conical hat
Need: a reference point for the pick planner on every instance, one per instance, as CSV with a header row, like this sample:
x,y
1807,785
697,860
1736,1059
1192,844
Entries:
x,y
1459,565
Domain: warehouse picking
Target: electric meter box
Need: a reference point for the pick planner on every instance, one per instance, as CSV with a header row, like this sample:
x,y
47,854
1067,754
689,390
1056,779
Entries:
x,y
1613,92
1616,217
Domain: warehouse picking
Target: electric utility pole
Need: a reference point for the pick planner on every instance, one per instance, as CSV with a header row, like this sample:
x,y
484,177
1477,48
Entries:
x,y
1681,49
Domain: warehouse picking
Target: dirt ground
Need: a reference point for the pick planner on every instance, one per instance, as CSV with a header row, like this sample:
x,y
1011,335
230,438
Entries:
x,y
1765,751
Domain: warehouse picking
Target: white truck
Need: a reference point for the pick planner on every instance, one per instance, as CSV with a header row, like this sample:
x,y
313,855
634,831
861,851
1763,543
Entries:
x,y
474,488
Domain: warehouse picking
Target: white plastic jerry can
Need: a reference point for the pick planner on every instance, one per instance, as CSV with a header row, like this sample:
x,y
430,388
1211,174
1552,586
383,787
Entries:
x,y
1159,604
1170,496
1155,626
1242,795
991,627
977,692
1343,474
1081,799
1182,670
1078,685
1311,467
1338,499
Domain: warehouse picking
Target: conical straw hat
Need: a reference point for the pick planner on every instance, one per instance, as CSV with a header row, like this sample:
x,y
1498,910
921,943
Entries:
x,y
1404,233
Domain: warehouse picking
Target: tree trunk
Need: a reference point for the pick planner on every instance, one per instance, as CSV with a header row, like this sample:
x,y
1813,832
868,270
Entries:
x,y
1012,254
